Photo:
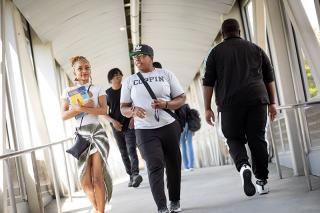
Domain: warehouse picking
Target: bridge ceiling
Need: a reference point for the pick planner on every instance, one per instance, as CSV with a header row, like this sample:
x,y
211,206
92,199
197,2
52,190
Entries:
x,y
180,31
82,27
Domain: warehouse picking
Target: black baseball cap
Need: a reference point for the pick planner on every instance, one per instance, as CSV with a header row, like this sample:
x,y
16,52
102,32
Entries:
x,y
142,49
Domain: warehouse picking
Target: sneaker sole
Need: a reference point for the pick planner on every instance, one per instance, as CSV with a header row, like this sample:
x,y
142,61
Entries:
x,y
175,211
263,192
248,187
137,182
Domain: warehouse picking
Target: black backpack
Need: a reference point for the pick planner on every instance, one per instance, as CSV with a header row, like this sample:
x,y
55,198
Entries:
x,y
193,119
181,115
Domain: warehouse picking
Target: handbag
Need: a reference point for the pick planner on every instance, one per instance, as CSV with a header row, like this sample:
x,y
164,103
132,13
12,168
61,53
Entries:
x,y
81,143
175,114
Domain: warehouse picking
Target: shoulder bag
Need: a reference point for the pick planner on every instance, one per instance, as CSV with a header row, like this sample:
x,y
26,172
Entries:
x,y
81,143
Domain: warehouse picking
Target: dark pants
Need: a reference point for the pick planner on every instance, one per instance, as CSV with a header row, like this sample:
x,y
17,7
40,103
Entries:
x,y
160,148
247,124
126,141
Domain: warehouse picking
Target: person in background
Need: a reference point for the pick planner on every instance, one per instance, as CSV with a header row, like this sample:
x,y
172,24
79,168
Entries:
x,y
185,138
124,134
93,169
186,142
157,65
242,77
157,131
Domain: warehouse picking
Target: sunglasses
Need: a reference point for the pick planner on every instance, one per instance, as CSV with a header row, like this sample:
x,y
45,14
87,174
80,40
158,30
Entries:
x,y
139,56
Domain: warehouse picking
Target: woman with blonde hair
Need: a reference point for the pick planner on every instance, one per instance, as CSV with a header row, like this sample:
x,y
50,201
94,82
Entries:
x,y
93,169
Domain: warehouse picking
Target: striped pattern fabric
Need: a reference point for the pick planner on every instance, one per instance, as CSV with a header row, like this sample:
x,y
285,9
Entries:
x,y
99,140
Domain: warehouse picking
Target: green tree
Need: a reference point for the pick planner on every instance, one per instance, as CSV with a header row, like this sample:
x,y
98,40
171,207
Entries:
x,y
313,90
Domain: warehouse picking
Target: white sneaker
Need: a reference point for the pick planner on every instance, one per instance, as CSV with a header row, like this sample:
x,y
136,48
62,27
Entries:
x,y
175,207
246,176
261,187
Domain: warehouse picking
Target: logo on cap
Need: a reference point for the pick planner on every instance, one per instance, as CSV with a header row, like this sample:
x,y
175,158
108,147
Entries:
x,y
138,48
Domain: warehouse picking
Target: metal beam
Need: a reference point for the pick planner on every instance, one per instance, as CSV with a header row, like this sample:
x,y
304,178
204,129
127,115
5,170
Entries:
x,y
135,17
135,24
3,107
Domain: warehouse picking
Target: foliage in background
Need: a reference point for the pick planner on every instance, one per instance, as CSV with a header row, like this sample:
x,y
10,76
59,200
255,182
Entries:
x,y
313,90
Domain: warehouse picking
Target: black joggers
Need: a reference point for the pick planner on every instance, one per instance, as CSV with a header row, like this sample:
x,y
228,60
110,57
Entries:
x,y
247,124
160,148
126,141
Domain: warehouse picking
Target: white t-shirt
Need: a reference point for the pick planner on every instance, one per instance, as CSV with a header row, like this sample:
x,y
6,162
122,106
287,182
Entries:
x,y
165,86
88,118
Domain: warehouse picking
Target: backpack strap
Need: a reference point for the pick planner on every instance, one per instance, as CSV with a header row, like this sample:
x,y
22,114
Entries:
x,y
153,96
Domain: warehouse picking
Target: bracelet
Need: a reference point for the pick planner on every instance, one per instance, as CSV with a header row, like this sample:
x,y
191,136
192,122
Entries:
x,y
166,105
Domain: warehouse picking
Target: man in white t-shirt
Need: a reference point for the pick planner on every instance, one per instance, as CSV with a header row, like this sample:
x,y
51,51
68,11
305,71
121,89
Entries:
x,y
157,131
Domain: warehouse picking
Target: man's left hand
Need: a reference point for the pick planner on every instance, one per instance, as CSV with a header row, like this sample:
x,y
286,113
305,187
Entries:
x,y
272,111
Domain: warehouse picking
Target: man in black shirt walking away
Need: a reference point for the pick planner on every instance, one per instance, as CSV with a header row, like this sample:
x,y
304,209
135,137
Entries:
x,y
122,129
242,77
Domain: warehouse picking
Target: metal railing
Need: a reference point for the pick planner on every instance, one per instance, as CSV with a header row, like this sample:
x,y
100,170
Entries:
x,y
7,156
304,138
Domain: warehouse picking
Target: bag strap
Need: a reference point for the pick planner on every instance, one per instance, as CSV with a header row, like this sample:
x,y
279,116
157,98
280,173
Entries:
x,y
153,96
84,114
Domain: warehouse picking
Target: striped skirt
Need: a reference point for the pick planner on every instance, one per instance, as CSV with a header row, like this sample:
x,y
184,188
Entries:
x,y
99,141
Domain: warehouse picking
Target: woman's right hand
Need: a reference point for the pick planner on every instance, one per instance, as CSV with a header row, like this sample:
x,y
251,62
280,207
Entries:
x,y
89,103
76,108
138,112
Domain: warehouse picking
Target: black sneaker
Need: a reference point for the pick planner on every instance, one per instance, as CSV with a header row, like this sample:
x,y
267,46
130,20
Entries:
x,y
130,182
175,206
136,180
163,210
246,175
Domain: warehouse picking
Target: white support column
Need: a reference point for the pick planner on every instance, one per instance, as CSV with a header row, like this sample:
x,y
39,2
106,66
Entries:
x,y
40,135
37,122
3,109
135,20
285,67
50,100
259,23
19,104
317,5
135,24
309,41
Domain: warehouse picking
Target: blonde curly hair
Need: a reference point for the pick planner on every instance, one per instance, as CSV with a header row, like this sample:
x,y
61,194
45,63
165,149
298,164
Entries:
x,y
77,58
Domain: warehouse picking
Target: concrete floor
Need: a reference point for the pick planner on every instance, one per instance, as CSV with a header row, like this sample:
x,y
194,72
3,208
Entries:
x,y
212,190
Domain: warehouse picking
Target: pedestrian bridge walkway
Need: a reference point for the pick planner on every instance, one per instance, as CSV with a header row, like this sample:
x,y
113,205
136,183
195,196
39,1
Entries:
x,y
213,190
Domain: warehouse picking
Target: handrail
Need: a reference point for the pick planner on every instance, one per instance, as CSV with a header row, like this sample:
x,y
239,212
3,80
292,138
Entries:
x,y
7,156
303,135
304,104
20,152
